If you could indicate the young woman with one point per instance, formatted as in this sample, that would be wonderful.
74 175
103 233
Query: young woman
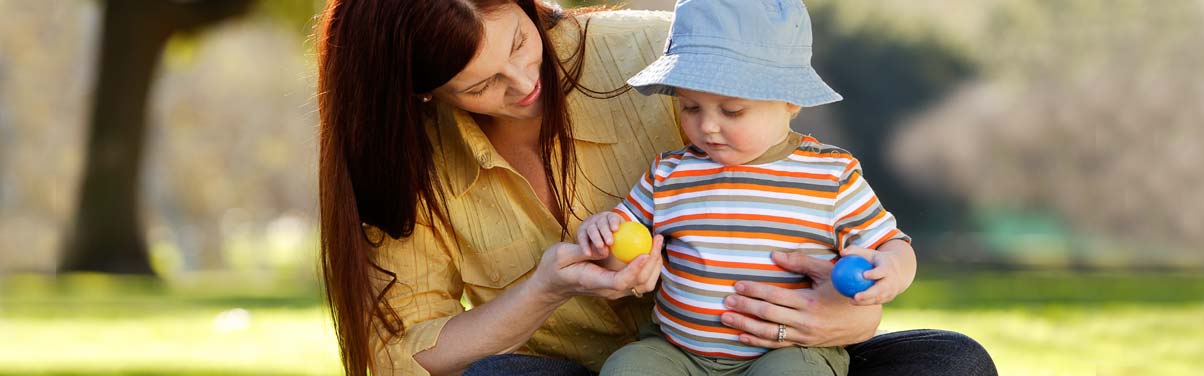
461 142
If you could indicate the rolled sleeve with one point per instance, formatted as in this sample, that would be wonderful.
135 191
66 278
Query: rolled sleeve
425 296
860 219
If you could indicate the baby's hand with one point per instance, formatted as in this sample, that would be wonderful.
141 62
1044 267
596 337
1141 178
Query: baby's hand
888 275
596 234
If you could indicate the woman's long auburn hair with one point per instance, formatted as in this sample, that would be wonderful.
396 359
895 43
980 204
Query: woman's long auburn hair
376 162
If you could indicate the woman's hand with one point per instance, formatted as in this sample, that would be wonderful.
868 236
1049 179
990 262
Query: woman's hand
566 271
814 317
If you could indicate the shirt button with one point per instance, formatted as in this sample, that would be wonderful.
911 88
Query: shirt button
483 158
493 276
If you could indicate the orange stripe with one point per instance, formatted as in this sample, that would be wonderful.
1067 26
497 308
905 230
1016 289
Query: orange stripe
692 308
745 235
701 328
755 170
729 282
873 200
745 186
829 154
752 217
637 205
622 213
710 353
725 264
884 239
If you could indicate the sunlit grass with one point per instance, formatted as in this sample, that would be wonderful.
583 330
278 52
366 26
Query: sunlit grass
1032 323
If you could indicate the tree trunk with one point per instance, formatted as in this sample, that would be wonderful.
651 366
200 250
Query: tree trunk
108 236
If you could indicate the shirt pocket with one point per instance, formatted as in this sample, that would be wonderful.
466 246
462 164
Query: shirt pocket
498 268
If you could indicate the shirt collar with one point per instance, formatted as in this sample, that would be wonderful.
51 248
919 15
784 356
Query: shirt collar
466 150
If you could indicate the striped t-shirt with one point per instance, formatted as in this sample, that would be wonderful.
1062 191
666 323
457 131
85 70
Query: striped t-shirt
722 222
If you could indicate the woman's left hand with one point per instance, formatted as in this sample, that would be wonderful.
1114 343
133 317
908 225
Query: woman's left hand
813 317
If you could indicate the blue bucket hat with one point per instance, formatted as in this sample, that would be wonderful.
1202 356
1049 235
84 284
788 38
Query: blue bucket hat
752 49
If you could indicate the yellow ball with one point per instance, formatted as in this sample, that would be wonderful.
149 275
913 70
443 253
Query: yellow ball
631 240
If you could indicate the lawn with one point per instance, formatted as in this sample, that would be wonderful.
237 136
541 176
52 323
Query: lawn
1032 323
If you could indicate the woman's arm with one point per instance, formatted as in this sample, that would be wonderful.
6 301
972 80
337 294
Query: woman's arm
505 323
814 317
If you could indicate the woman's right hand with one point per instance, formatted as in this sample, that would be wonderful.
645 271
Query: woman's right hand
566 271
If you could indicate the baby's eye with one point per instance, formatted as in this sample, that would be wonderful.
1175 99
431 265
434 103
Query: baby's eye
689 109
733 113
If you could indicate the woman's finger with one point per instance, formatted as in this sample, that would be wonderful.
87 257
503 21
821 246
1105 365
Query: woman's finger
817 269
773 294
653 270
629 276
752 327
760 309
583 242
751 340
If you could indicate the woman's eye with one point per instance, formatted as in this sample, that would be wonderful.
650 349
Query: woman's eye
480 91
521 42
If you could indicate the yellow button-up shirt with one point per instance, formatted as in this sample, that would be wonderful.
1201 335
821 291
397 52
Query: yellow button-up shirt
499 226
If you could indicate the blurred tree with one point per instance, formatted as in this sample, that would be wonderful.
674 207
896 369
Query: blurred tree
108 235
886 76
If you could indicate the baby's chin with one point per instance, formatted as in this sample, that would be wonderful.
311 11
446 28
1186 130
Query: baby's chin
728 159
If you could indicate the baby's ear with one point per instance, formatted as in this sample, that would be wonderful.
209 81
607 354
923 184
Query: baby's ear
794 109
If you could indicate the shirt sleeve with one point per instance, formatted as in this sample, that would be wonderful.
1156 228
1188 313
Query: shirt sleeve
425 296
638 205
859 218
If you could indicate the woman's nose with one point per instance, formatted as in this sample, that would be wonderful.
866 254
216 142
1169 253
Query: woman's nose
520 83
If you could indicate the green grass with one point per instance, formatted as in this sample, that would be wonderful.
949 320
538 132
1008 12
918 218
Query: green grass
1033 323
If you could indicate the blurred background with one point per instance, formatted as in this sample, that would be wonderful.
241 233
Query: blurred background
1045 155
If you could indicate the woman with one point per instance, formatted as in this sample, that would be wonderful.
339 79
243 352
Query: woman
461 141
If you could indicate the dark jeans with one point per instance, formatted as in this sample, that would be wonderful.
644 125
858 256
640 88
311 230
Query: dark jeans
912 352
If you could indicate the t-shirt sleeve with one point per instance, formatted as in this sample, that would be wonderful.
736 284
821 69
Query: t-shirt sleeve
858 217
638 205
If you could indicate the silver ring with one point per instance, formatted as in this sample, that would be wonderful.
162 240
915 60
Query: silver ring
637 293
781 332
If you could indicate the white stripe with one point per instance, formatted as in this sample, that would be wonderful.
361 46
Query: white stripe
745 192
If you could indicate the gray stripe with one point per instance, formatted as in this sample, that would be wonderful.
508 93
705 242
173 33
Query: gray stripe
756 199
784 182
672 311
746 225
734 271
742 276
687 226
755 178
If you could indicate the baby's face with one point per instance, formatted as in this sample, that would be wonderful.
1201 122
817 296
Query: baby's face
731 130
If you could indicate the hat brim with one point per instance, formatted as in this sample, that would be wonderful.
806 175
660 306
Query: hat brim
727 76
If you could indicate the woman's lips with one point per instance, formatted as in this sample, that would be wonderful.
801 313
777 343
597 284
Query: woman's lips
530 98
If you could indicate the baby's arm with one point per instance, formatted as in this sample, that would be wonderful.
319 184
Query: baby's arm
596 235
894 270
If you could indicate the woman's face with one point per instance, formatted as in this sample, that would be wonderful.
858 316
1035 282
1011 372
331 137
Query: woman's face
502 79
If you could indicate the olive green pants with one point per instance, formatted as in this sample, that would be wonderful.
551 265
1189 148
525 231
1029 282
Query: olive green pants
657 357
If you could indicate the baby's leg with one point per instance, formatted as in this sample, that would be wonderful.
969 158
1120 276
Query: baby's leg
652 356
818 361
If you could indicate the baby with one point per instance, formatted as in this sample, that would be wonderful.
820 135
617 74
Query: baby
745 187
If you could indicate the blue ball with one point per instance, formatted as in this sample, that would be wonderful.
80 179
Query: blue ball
846 275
